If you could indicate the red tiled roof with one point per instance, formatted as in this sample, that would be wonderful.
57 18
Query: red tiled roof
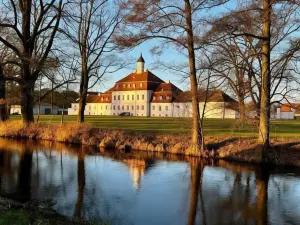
212 96
146 76
289 106
102 98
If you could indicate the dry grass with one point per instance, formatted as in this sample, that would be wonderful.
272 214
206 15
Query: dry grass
284 151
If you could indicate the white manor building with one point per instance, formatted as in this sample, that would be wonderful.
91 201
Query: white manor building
142 93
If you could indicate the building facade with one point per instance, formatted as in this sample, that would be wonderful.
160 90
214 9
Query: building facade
288 111
45 109
142 93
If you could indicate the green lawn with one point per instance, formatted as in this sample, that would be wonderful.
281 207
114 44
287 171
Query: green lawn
280 128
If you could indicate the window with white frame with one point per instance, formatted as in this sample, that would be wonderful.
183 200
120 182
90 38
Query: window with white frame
118 97
159 108
132 97
167 108
122 107
138 97
143 97
153 107
118 107
141 84
114 107
132 107
127 97
128 107
143 107
161 97
138 107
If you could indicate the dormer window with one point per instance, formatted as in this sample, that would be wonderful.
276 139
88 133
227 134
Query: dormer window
168 97
129 85
141 85
134 85
161 97
124 85
117 86
101 98
154 98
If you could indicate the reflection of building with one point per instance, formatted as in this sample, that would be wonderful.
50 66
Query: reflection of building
137 169
142 93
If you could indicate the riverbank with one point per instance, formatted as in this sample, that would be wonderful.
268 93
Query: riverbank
17 213
284 151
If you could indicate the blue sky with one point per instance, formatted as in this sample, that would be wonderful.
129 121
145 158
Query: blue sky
169 56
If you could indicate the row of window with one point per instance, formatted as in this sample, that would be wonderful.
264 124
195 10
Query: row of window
128 97
128 107
159 107
161 97
129 85
107 98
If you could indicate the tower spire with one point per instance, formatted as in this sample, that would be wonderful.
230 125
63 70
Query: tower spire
140 65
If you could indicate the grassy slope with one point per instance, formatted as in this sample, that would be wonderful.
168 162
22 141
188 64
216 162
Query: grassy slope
212 127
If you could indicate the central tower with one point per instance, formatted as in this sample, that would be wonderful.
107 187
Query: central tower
140 65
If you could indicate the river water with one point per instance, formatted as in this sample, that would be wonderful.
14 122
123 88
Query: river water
144 188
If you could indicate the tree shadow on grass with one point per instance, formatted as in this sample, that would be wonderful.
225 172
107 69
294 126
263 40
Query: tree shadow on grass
217 145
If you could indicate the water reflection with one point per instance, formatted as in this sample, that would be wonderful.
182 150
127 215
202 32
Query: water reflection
147 188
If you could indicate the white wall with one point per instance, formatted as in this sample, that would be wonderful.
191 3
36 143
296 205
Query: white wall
132 102
212 110
91 109
285 115
15 109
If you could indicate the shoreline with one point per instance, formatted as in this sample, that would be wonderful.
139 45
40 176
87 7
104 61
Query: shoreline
284 152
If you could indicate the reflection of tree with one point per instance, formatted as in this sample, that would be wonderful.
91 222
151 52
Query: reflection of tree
24 178
81 184
197 168
262 180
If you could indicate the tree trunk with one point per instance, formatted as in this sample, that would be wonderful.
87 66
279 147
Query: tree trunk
264 123
3 112
242 110
52 97
39 104
27 99
63 108
197 143
83 89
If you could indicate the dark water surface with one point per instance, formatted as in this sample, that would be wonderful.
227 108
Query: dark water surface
144 188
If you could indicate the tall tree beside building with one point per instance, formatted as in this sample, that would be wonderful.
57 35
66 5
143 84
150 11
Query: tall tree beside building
90 27
177 23
23 25
269 27
3 113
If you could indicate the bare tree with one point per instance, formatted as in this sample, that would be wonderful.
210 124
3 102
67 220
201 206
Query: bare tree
267 26
28 29
90 25
177 23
